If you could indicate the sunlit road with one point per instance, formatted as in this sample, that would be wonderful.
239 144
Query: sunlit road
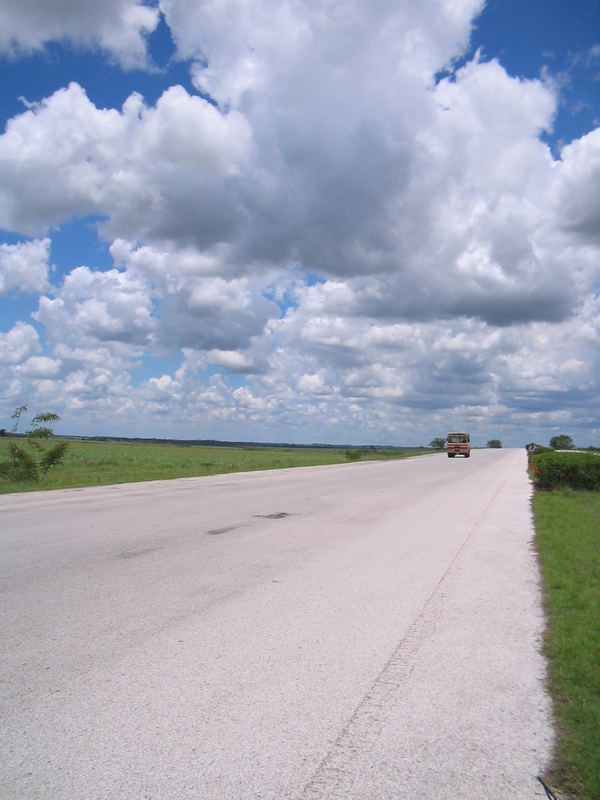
364 631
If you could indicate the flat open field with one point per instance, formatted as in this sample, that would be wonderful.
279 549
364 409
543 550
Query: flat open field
95 463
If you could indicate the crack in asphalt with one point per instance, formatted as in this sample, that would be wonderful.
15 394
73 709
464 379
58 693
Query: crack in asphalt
336 774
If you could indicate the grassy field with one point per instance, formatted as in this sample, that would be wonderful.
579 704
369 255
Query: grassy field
92 463
568 535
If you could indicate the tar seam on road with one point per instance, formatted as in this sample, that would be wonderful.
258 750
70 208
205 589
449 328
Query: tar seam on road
336 773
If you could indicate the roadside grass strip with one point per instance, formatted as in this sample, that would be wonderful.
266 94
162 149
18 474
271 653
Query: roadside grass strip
95 463
568 536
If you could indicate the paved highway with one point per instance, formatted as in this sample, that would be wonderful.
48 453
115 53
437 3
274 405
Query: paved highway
363 631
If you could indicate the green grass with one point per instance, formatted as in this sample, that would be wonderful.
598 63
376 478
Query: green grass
93 463
568 535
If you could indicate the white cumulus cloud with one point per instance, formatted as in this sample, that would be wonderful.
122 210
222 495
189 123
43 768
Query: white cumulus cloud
116 26
369 244
24 266
19 343
148 169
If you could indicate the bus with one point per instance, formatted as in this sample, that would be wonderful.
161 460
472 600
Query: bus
459 444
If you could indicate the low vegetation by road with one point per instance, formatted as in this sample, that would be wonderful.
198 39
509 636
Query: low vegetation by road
93 463
575 470
568 536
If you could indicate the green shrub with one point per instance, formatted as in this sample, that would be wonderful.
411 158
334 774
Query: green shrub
353 455
552 470
28 457
19 466
53 457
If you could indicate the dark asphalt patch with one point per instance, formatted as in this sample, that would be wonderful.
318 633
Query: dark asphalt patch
229 528
137 553
219 531
277 515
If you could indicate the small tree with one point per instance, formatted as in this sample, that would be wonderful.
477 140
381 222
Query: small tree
16 415
18 457
562 442
494 443
42 423
22 464
53 457
437 444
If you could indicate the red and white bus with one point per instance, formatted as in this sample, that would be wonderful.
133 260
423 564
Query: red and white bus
459 444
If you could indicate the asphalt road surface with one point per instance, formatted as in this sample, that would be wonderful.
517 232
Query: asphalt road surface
363 631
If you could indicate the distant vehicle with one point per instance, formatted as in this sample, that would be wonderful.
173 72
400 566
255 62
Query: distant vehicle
459 444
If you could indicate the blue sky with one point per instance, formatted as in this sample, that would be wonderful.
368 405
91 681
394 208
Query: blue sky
288 225
548 35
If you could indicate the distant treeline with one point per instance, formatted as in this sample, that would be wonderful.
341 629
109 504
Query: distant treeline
217 443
